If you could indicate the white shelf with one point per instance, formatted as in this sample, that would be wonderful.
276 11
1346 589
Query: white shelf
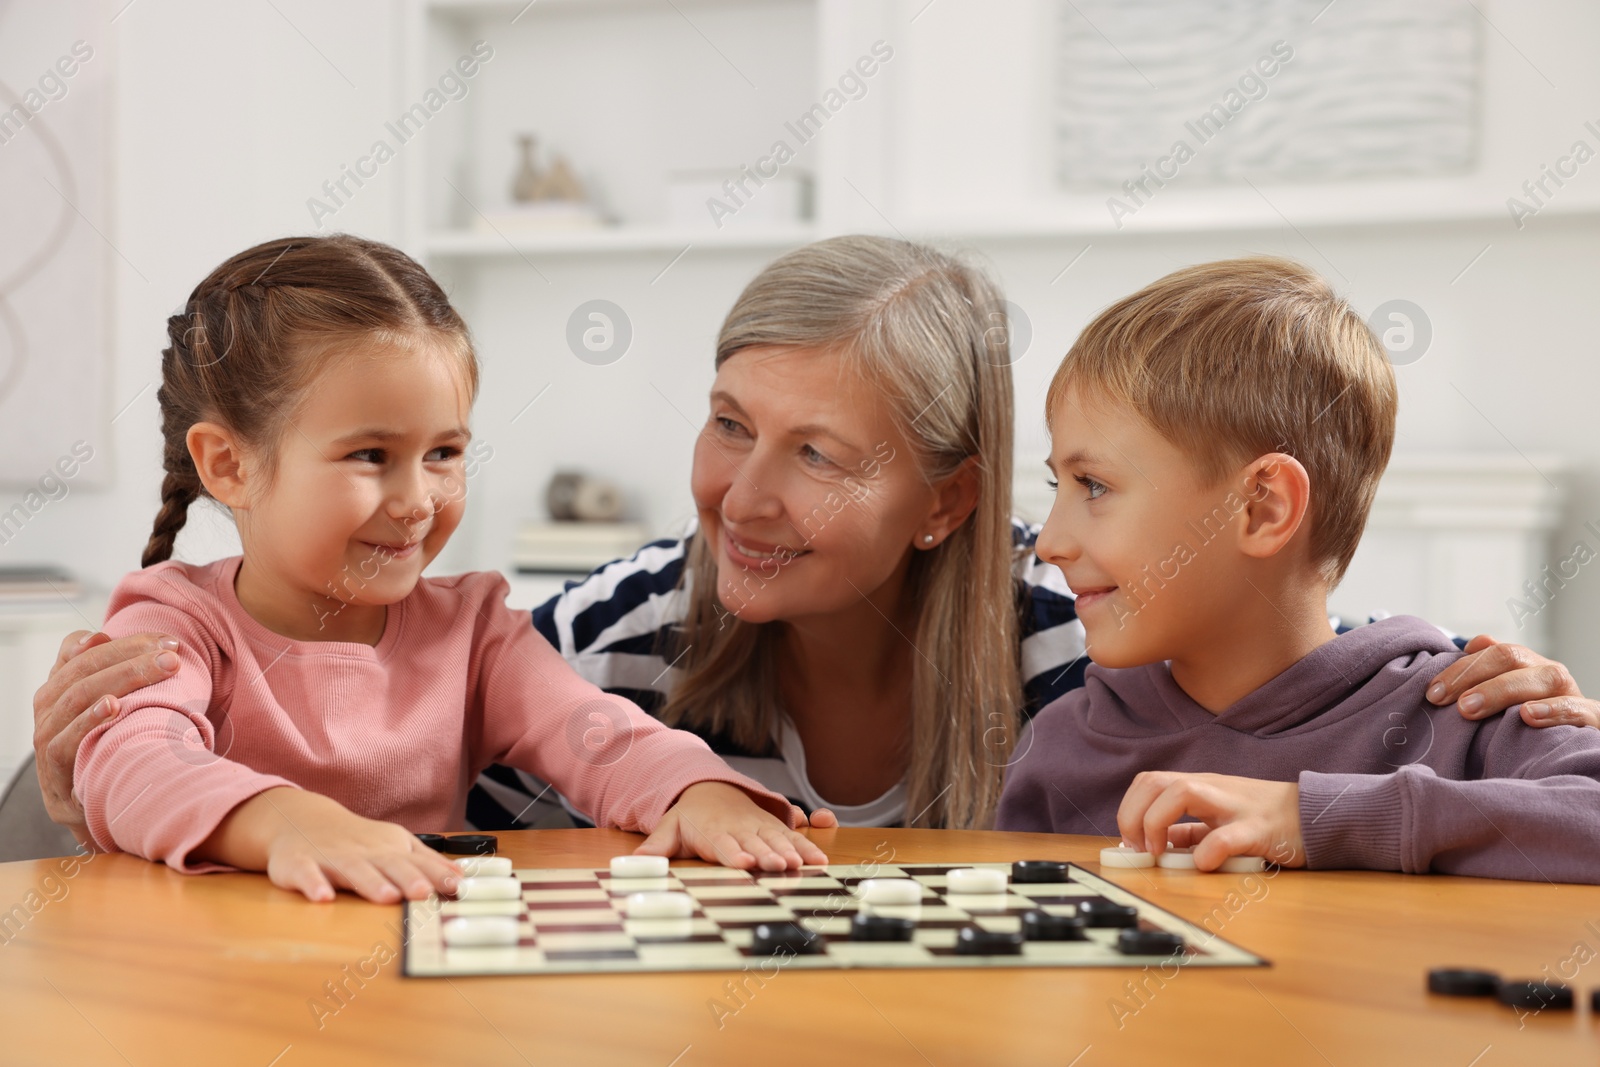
524 9
603 84
472 244
1230 209
1050 222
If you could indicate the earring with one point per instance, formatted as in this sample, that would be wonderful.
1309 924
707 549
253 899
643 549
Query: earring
927 539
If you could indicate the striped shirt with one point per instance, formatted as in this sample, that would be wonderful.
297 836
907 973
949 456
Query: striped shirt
614 626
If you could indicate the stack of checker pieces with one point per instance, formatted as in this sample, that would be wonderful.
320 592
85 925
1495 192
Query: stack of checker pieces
573 921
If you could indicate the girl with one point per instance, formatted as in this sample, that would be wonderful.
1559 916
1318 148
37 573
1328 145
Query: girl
331 700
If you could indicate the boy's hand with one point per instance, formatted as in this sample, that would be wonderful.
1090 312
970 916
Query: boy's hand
1492 677
1240 817
719 822
313 845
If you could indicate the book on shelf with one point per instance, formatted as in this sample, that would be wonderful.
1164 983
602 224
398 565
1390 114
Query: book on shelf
573 547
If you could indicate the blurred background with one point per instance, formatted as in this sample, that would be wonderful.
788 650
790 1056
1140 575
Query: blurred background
595 180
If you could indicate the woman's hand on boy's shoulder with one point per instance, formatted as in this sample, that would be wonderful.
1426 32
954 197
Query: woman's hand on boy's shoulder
1493 676
718 822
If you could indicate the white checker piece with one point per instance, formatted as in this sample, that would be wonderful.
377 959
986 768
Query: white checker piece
636 867
670 905
488 888
482 930
485 866
891 891
975 880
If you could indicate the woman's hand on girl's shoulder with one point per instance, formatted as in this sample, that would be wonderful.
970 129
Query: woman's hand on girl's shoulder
1492 677
719 823
91 671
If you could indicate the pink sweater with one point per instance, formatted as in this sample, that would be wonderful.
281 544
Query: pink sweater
396 732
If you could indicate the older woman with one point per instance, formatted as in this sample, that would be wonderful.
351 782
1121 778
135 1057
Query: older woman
855 620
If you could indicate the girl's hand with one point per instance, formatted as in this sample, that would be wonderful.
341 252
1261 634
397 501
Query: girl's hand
1492 677
719 823
313 845
91 671
1239 817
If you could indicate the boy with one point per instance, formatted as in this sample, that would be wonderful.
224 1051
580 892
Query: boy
1218 438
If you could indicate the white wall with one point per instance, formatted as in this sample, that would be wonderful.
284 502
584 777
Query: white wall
227 119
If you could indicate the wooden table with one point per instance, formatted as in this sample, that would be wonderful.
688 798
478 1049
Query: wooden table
125 962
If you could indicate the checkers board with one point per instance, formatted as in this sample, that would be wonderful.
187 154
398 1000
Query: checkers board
573 921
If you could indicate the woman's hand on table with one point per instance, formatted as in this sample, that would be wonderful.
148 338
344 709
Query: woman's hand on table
719 823
1493 676
822 819
91 671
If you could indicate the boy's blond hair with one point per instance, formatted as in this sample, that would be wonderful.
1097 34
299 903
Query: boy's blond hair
1235 359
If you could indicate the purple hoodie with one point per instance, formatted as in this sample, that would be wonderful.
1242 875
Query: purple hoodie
1387 781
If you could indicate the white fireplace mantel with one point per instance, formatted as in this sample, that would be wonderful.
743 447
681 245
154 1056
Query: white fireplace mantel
1454 537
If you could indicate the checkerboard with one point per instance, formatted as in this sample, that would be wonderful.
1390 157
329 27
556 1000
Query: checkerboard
572 921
